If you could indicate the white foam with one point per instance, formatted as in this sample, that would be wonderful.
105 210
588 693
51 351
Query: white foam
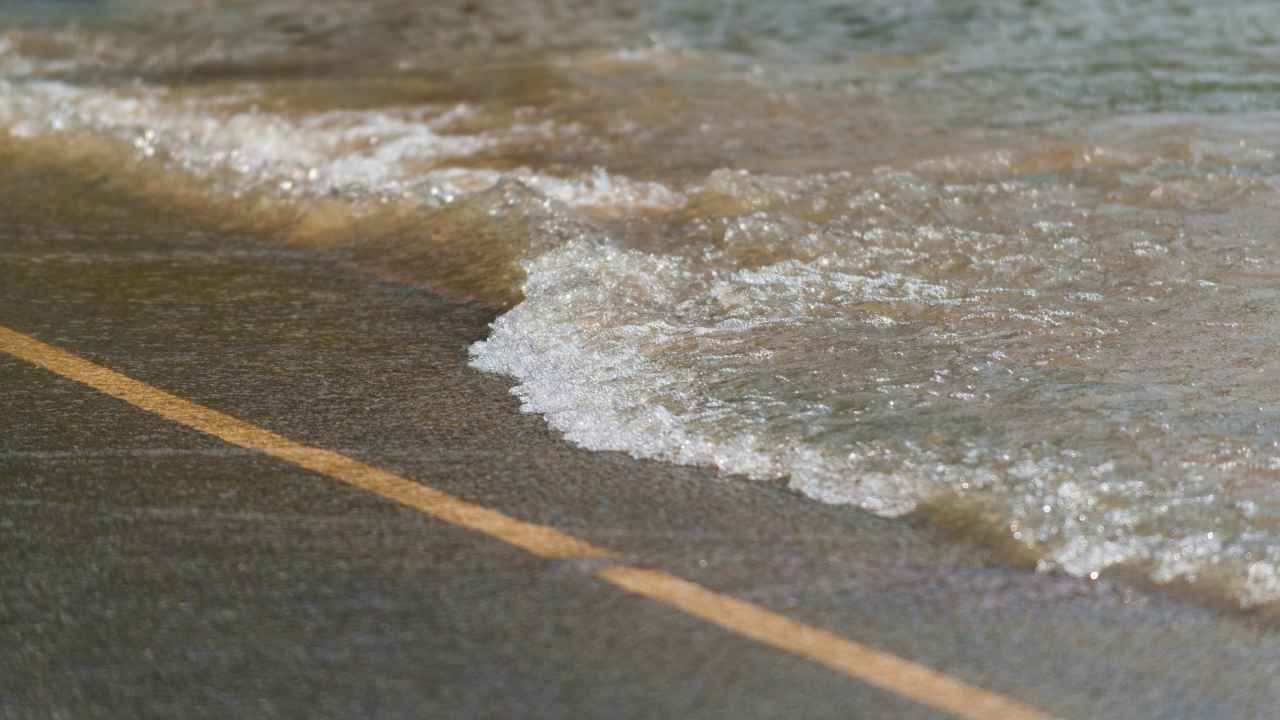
586 346
598 189
778 371
382 152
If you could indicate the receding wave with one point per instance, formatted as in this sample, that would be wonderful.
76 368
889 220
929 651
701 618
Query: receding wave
1061 330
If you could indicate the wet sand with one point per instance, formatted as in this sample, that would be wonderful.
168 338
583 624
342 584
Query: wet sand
146 569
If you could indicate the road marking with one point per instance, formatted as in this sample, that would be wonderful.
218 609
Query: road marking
855 660
874 667
537 539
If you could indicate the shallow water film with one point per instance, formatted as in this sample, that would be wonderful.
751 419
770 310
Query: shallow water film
1013 262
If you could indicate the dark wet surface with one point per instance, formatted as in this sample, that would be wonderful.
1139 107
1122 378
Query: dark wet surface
149 571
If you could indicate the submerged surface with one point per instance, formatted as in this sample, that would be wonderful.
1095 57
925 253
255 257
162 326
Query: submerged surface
1010 259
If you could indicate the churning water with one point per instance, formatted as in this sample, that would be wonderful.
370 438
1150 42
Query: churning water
1012 261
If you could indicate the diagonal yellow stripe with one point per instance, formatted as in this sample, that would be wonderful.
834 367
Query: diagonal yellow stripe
874 667
889 672
537 539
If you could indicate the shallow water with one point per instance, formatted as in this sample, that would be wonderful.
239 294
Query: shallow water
1012 260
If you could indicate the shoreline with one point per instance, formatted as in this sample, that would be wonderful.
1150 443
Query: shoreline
188 200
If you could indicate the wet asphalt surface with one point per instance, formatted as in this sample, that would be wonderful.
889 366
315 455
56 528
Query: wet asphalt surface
147 570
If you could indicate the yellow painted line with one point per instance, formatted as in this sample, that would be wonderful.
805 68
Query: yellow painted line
537 539
860 662
874 667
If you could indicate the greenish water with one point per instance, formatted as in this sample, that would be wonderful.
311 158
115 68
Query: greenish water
1017 61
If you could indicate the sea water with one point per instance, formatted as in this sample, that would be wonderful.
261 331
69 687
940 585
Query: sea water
1009 262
